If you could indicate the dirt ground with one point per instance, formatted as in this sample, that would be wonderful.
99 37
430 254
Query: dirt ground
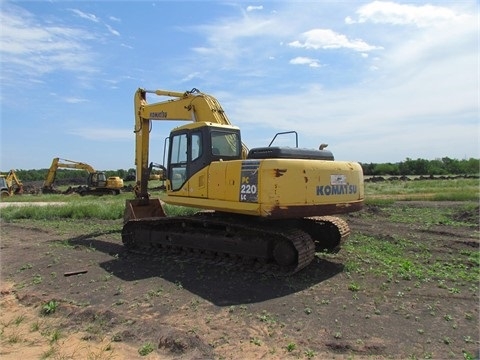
119 305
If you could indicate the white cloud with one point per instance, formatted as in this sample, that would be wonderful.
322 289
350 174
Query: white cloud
422 96
203 50
305 61
329 39
253 8
387 12
191 76
29 48
86 16
349 20
112 30
74 100
382 122
450 47
412 96
248 35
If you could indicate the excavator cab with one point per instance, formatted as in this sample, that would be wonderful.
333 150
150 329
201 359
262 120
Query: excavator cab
196 145
97 179
191 148
3 187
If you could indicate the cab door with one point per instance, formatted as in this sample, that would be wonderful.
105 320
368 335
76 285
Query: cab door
186 156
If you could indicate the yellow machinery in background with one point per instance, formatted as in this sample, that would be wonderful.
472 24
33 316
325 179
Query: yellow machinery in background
271 207
158 174
97 181
10 184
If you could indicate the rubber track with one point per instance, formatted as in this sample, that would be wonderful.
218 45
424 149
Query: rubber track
338 238
302 242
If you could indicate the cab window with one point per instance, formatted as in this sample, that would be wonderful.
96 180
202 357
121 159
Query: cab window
225 144
196 149
178 161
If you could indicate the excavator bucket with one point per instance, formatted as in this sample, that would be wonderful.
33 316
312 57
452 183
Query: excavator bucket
142 208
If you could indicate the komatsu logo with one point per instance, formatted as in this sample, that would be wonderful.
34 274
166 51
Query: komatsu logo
327 190
158 115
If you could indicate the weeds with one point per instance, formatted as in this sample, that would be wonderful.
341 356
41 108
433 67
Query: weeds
291 346
267 318
19 319
14 338
146 349
35 326
55 336
26 266
468 356
256 341
354 287
405 259
49 308
155 293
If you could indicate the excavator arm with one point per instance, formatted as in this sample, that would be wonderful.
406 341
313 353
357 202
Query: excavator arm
52 172
13 180
65 164
191 105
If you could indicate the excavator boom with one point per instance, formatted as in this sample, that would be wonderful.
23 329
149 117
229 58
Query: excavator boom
192 106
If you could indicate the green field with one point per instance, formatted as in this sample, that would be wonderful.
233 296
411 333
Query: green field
111 207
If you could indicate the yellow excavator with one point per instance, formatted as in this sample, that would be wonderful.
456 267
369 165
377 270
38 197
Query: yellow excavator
97 181
10 184
156 174
268 209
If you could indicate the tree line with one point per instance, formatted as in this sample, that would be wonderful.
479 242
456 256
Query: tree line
75 176
443 166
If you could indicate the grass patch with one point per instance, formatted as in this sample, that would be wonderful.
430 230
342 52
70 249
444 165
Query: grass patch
49 308
465 215
173 210
79 207
430 216
112 207
146 349
80 210
435 190
403 259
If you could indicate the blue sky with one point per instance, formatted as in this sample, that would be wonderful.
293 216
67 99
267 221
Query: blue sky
379 81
